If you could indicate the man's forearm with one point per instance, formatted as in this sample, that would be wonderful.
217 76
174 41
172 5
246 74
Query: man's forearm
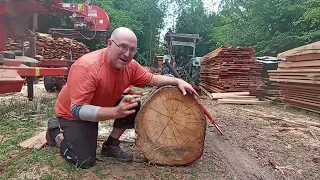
92 113
160 80
106 113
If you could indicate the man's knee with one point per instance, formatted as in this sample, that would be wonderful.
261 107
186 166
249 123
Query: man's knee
128 121
78 159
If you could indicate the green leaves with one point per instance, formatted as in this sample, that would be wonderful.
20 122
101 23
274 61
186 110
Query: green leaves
271 26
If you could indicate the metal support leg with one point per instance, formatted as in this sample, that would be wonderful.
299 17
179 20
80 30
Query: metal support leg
30 87
3 46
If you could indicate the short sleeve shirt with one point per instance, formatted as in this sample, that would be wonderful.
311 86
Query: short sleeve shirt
91 80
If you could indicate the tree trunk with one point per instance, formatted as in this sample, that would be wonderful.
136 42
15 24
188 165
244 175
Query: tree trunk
170 127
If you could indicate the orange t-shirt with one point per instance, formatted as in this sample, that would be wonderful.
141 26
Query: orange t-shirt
91 80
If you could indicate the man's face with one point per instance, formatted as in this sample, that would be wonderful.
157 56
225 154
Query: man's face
122 50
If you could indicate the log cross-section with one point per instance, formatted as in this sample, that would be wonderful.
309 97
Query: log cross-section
170 127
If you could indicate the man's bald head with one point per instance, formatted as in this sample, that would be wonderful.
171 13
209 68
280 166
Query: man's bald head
122 47
123 32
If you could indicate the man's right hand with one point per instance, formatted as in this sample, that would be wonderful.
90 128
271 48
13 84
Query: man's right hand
126 106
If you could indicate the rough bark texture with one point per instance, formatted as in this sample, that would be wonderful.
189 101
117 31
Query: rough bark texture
170 127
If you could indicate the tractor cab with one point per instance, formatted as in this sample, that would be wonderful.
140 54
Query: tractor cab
182 47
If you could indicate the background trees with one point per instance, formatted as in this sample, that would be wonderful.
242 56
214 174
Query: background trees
271 26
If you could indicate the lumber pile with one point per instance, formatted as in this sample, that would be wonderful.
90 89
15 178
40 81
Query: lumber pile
66 48
231 69
15 45
271 91
236 98
170 127
299 77
160 62
50 48
150 69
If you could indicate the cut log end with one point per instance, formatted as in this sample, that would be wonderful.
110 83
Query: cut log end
170 127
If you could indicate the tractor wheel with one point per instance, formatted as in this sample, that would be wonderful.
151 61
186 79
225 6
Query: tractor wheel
50 83
196 75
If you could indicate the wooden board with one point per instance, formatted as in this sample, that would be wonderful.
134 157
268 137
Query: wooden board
230 94
310 63
37 141
312 48
170 127
238 101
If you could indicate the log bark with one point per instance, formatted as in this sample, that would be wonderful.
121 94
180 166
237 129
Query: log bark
170 127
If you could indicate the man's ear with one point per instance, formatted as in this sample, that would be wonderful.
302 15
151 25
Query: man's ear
109 42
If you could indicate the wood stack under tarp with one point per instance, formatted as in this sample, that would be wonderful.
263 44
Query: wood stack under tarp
52 49
231 69
299 77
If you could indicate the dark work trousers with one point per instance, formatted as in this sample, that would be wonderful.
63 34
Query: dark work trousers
80 138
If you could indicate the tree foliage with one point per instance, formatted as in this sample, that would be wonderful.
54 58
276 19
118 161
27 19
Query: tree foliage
271 26
144 17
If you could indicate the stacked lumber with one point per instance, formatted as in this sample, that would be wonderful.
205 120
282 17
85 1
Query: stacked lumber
231 69
13 45
271 91
299 77
160 62
50 48
150 69
236 98
60 48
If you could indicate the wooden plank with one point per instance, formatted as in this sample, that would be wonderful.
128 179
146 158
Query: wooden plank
294 74
295 81
237 101
297 77
299 64
303 57
206 92
229 94
37 141
241 97
295 70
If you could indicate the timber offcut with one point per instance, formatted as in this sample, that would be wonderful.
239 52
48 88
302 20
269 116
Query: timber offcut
170 127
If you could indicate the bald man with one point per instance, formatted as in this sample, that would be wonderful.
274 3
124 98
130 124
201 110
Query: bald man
94 93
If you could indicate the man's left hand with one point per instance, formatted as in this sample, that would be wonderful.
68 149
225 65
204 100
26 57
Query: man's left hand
184 87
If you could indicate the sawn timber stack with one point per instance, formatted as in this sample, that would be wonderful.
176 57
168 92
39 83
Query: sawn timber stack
231 69
170 127
299 77
52 48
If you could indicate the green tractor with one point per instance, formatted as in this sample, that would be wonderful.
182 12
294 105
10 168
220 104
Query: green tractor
185 65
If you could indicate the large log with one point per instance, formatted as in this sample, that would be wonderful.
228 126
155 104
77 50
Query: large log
170 127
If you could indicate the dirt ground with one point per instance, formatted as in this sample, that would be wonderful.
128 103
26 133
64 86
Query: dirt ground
260 142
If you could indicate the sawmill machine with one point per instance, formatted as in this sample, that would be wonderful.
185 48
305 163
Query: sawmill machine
187 66
18 20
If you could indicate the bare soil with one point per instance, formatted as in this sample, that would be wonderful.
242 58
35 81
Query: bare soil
255 146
